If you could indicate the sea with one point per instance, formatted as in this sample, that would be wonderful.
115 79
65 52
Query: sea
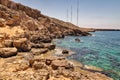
102 50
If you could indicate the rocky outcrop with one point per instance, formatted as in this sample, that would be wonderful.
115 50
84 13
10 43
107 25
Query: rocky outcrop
40 68
106 29
17 6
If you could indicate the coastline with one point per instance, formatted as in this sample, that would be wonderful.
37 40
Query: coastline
107 29
111 72
80 67
29 55
58 53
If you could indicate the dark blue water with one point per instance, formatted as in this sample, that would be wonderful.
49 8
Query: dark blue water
101 50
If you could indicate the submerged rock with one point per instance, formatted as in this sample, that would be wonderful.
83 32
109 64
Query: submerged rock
65 52
77 40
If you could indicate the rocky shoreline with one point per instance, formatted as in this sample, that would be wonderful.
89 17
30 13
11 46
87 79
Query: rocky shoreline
26 46
107 29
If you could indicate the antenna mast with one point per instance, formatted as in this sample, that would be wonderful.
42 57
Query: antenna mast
77 12
67 15
71 13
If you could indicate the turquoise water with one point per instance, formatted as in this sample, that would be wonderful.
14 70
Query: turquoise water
101 50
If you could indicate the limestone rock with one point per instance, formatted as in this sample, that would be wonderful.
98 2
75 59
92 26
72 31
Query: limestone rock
2 39
8 52
31 25
14 20
86 34
33 45
2 22
39 65
50 46
61 63
23 66
39 51
8 43
10 22
22 45
37 38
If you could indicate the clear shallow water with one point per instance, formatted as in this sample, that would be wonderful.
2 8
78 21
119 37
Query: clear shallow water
101 50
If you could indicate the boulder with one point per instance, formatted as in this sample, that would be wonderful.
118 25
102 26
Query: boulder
14 20
3 15
65 52
23 66
2 22
10 22
38 38
22 45
2 38
46 40
33 45
50 46
86 34
31 25
39 65
61 63
8 43
39 51
8 52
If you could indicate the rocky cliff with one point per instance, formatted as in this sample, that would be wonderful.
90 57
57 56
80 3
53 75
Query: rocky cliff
26 49
32 19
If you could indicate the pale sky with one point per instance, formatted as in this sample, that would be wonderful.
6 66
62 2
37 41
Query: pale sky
92 13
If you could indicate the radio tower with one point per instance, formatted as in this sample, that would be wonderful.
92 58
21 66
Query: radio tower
67 15
77 12
71 13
